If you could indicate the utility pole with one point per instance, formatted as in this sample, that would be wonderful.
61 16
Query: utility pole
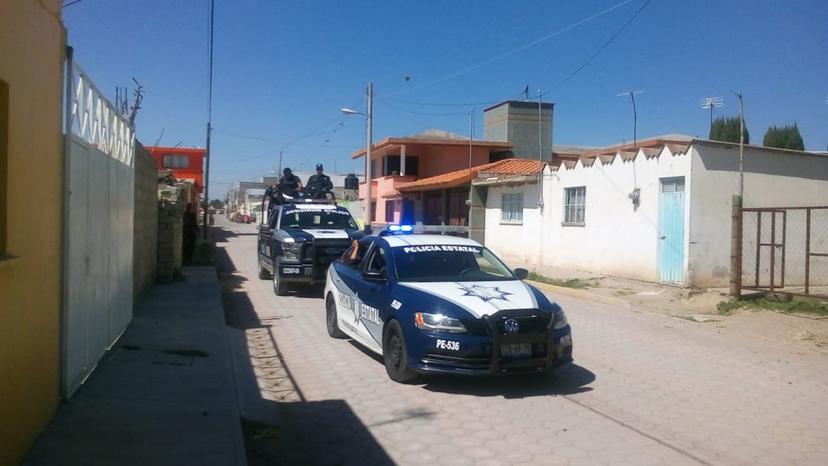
471 136
736 212
368 152
279 173
209 126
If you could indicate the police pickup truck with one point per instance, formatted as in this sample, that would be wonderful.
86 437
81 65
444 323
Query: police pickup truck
301 239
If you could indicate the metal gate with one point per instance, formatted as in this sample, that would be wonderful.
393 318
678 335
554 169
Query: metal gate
671 230
785 249
98 227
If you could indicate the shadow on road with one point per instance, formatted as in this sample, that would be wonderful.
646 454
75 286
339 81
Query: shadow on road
567 380
280 425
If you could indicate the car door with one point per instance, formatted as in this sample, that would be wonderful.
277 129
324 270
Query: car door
373 293
347 280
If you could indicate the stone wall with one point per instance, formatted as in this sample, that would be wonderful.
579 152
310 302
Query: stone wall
145 221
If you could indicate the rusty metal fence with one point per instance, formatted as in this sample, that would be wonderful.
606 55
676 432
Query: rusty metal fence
785 249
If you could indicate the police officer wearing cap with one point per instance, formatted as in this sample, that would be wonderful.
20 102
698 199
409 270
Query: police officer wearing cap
319 185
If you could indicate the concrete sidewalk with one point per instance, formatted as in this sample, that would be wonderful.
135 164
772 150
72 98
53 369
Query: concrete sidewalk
164 395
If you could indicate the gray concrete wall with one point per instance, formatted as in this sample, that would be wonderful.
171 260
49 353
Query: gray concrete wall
773 178
145 222
517 123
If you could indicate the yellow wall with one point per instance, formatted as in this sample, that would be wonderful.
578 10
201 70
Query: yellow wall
32 48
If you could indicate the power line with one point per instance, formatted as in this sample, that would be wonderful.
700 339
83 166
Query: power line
398 108
511 52
600 49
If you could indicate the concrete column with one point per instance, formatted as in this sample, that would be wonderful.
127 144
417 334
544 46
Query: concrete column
402 160
445 208
477 213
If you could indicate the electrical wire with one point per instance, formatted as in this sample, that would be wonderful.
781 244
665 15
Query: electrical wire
600 49
398 108
511 52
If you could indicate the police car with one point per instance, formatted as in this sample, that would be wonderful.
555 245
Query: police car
442 304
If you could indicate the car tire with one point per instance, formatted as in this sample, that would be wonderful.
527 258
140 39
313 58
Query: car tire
279 286
263 273
330 318
394 354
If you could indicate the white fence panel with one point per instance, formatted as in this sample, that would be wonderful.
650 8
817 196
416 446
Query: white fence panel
98 229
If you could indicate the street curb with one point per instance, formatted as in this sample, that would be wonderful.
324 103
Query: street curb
582 294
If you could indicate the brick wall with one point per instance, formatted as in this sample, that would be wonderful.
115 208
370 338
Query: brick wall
145 221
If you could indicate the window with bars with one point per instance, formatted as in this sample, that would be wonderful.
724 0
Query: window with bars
511 210
574 206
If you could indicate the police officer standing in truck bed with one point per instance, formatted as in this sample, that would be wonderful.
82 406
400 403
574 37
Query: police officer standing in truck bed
319 185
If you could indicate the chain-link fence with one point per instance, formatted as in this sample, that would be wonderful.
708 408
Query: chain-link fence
785 249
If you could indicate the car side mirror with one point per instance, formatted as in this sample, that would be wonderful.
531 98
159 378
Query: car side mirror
521 274
374 276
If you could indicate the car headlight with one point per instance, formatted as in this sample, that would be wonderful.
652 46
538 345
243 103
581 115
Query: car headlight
291 251
438 323
559 321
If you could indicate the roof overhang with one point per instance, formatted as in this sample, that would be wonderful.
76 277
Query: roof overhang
390 142
505 180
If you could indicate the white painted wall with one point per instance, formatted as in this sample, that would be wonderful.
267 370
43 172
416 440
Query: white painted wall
622 241
518 245
616 239
773 178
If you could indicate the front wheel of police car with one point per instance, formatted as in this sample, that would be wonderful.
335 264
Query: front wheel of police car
330 318
394 354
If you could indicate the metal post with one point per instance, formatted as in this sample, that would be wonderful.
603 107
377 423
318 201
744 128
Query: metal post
206 201
736 248
807 250
368 151
773 249
635 121
540 132
471 136
741 145
279 173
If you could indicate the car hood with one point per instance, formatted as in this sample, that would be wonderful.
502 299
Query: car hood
481 298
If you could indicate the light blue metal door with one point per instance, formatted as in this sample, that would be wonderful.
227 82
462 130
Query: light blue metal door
671 230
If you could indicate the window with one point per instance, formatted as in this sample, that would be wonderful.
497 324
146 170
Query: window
175 161
511 210
389 211
672 185
391 165
377 263
356 253
4 155
574 206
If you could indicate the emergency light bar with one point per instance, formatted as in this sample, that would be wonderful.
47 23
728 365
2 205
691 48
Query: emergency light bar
397 230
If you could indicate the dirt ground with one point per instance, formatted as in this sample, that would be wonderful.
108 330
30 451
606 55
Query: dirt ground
697 305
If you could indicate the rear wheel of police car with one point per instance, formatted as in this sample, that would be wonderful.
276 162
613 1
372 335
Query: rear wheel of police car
330 318
394 354
279 287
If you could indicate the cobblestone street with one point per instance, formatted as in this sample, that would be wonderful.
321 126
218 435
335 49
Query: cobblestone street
645 389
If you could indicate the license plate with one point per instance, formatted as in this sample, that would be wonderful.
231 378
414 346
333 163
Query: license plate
516 350
291 270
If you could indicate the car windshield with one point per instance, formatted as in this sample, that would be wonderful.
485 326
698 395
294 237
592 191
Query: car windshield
448 263
321 218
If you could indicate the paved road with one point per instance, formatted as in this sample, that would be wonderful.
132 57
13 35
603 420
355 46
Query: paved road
646 389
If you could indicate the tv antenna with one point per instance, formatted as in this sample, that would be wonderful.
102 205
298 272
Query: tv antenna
632 95
712 103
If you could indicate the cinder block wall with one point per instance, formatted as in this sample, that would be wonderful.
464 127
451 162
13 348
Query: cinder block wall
145 241
170 229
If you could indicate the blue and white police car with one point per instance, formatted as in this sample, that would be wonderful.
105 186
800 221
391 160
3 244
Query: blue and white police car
442 304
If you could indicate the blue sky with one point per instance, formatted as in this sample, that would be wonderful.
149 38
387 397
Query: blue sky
282 70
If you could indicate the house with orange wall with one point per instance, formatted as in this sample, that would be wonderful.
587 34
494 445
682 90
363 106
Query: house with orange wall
399 161
186 163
